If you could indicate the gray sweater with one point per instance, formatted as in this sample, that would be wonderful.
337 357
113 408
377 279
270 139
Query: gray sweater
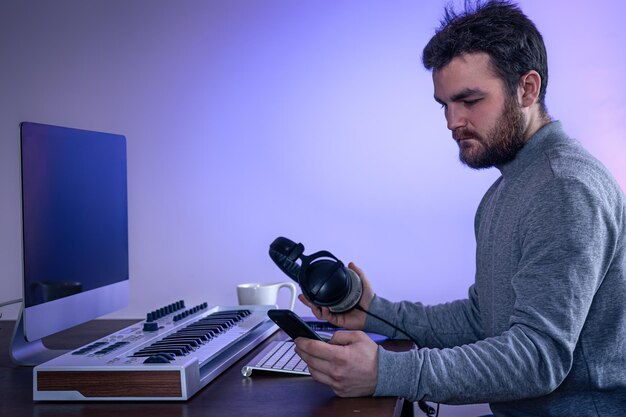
543 330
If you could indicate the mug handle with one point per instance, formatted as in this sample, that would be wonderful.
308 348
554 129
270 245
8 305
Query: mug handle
292 289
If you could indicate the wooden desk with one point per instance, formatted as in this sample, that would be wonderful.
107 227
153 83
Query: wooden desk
230 394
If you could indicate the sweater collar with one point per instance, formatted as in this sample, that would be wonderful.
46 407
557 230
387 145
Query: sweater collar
533 148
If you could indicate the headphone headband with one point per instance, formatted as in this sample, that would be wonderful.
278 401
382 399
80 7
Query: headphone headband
285 253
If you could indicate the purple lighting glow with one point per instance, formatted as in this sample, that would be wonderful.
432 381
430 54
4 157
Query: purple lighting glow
313 120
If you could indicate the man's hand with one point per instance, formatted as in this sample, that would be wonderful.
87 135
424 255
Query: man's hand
353 319
348 363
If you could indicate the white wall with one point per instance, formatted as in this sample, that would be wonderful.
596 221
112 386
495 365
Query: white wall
247 120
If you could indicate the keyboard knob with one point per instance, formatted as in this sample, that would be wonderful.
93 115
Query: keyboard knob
151 326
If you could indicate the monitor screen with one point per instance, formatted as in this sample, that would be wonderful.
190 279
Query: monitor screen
75 226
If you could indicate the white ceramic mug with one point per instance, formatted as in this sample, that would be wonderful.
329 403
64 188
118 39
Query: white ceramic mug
264 294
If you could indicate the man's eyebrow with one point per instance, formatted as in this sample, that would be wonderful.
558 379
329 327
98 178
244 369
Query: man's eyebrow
461 95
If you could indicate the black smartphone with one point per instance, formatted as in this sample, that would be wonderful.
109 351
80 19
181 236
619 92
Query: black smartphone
293 325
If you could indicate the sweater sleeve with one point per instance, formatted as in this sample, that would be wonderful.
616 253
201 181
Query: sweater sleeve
566 240
445 325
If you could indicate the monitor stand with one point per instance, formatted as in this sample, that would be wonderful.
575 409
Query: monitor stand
27 353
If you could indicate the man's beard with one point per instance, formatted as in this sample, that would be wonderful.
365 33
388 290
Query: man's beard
501 144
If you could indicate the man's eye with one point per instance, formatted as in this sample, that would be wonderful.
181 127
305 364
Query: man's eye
470 103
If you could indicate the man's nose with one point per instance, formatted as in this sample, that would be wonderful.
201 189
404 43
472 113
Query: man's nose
455 118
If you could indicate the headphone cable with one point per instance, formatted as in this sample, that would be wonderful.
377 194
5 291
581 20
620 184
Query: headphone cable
8 303
423 405
358 307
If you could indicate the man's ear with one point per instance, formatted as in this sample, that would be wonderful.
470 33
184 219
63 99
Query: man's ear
529 87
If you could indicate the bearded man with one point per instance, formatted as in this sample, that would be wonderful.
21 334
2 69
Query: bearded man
543 330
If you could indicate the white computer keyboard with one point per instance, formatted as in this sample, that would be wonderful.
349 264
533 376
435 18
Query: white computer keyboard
278 356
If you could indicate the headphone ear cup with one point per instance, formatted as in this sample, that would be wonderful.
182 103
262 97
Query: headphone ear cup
323 278
354 295
320 285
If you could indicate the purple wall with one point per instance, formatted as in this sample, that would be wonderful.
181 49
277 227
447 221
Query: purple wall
247 120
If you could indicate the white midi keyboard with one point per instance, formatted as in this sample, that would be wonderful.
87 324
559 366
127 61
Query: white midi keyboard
170 356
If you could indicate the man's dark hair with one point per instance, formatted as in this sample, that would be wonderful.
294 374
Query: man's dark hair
501 30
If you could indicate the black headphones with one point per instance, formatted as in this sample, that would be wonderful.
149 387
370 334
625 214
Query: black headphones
326 282
323 278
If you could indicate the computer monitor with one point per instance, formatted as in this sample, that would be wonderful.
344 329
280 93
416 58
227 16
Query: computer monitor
75 233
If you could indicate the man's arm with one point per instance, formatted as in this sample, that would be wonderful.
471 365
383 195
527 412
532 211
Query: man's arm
445 325
567 241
